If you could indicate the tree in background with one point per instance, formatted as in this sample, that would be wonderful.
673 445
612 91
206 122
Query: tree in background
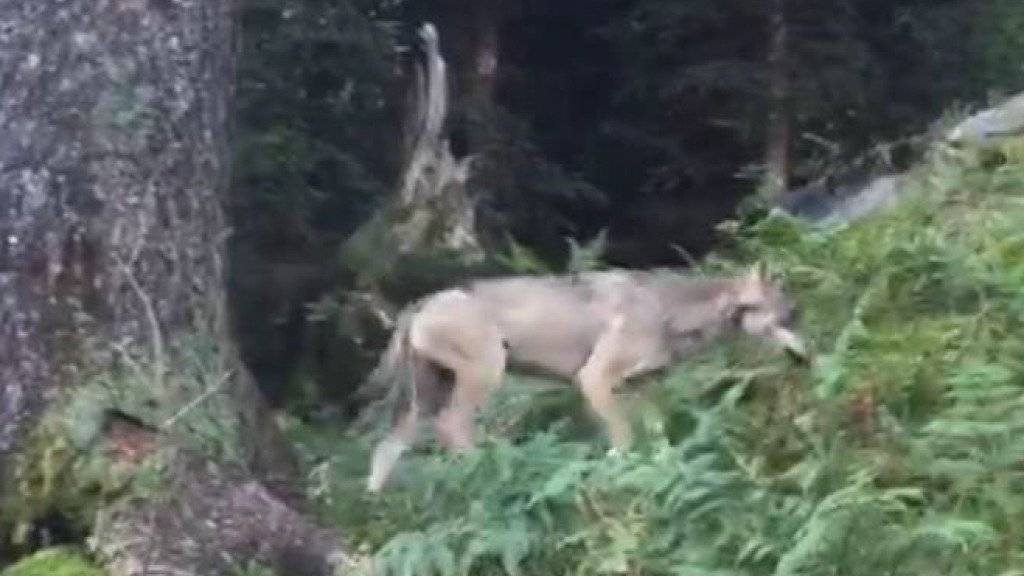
779 119
712 97
717 82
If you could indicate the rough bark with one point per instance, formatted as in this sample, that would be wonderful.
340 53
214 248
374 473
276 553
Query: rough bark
202 503
115 117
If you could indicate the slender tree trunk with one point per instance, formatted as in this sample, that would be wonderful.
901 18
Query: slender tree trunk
481 75
486 53
113 339
471 30
779 119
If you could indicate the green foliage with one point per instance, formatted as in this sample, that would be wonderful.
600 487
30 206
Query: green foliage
57 561
523 190
899 451
67 468
520 259
318 115
997 38
253 568
194 402
587 256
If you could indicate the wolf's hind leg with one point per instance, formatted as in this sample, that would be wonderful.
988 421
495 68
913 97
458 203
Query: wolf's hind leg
455 332
390 449
475 377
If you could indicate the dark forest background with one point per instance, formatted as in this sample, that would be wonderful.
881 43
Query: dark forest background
204 200
649 119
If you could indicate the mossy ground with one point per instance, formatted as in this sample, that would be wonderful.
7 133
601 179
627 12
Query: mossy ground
79 457
899 451
56 561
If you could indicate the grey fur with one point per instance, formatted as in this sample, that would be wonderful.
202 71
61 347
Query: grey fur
596 329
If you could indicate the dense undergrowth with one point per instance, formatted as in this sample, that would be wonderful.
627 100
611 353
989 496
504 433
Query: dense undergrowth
900 451
56 561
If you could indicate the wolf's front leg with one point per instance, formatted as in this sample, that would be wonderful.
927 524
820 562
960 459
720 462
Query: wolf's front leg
627 348
598 388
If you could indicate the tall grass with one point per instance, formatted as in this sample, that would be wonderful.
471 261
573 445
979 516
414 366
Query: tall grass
900 451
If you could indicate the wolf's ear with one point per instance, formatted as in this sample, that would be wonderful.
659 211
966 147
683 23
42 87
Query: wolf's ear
751 288
758 272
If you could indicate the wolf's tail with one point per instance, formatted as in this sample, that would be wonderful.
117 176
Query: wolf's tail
400 377
407 382
380 381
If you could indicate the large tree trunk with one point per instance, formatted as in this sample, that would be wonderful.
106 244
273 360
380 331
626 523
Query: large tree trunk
114 156
114 115
777 142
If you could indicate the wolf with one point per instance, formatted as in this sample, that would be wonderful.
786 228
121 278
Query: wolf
451 348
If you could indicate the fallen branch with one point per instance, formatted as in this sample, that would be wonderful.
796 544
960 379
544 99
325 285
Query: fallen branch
156 334
210 391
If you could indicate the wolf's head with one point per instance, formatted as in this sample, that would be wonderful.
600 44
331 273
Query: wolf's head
762 309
